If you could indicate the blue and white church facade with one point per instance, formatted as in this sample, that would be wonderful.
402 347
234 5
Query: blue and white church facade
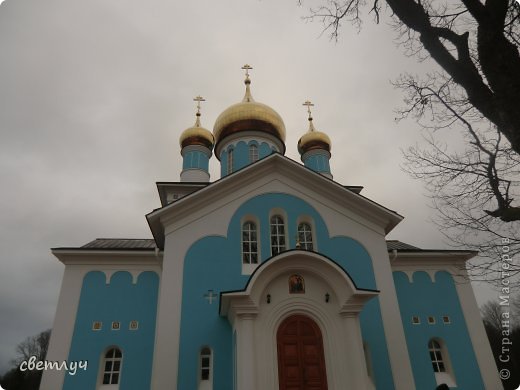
274 276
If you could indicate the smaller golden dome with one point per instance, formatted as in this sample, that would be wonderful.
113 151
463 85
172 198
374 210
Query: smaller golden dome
313 139
197 135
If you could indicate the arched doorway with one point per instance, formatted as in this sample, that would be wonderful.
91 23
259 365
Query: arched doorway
301 362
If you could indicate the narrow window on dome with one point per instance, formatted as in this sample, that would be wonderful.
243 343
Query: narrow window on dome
249 243
253 153
305 236
277 235
230 161
112 367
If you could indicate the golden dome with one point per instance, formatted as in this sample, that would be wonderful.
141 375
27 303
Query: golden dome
248 115
197 135
313 139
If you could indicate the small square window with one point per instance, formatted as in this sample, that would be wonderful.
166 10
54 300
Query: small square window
97 325
446 319
416 320
431 320
134 325
116 325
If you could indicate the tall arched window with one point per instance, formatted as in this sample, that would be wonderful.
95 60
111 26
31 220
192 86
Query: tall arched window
305 236
440 363
112 367
436 356
253 153
230 161
205 369
249 243
277 235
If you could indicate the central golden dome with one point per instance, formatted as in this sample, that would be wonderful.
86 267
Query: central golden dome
248 115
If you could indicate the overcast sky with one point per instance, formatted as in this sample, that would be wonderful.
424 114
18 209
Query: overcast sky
94 95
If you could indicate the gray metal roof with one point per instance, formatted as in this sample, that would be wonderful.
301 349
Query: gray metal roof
398 245
121 243
149 243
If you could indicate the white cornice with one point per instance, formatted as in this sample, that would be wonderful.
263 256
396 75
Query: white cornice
107 257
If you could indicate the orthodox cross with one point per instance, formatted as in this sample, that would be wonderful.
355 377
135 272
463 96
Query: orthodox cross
247 68
210 296
198 99
309 105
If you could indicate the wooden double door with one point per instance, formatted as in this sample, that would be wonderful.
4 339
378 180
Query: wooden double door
301 362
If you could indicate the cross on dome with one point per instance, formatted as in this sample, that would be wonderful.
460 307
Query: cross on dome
247 97
309 104
198 99
247 68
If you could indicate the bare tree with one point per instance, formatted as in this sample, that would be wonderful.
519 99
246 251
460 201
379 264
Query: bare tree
465 186
476 94
476 46
36 346
33 346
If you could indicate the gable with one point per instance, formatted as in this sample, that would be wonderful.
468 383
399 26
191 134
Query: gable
274 174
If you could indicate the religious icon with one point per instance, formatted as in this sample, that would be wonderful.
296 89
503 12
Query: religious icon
116 325
296 284
96 325
134 325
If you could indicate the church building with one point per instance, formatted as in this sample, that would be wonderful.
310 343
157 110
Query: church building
273 277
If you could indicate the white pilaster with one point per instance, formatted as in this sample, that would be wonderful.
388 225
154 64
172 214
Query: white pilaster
357 376
167 334
246 367
477 333
63 328
392 322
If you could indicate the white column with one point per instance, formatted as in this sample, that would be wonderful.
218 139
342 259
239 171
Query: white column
392 322
355 354
246 367
63 328
477 334
168 327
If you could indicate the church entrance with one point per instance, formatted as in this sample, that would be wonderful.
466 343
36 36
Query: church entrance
301 363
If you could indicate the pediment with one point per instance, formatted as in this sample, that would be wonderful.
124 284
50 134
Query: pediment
275 173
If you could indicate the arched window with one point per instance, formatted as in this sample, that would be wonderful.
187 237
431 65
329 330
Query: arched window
112 367
253 153
440 363
205 369
305 236
249 243
436 356
230 161
277 235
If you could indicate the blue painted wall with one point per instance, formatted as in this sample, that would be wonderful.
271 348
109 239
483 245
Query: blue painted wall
118 301
424 298
195 159
241 155
318 162
215 263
